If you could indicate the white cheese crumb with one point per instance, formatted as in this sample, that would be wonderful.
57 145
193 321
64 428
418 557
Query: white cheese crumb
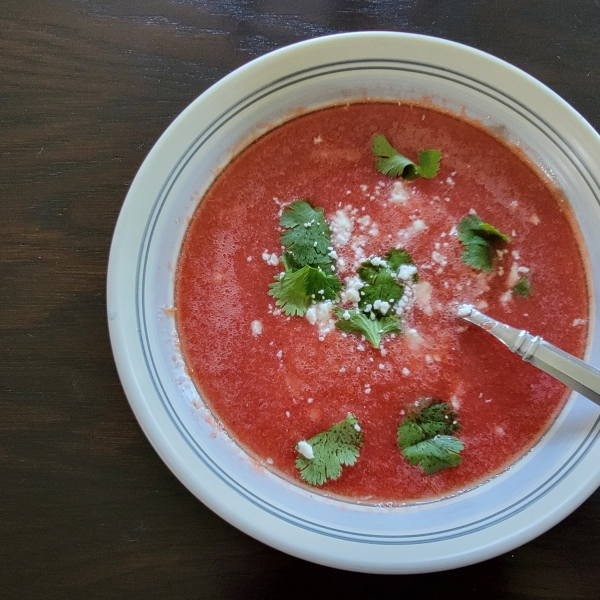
405 372
306 450
513 276
577 322
419 225
279 354
269 461
341 227
534 219
398 193
342 369
405 272
249 259
356 426
360 347
311 315
310 400
287 414
256 327
381 366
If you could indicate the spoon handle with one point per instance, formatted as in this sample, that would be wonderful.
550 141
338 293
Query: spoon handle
565 367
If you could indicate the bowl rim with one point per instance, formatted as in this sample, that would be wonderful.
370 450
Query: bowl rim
163 434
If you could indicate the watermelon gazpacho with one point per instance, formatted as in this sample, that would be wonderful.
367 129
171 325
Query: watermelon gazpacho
317 291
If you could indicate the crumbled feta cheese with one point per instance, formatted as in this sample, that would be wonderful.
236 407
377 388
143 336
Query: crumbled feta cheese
405 272
256 327
513 276
439 258
270 259
398 193
279 354
309 400
341 227
405 372
306 450
356 427
534 219
311 315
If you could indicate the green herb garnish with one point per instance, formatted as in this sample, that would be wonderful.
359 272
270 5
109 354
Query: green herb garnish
297 290
333 449
523 287
425 436
379 297
354 321
307 237
390 162
478 239
308 275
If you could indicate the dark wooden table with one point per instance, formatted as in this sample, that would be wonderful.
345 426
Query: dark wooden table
87 509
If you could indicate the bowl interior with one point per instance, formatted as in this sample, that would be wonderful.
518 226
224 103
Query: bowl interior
535 493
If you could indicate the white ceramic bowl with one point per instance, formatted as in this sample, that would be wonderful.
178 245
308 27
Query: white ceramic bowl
519 504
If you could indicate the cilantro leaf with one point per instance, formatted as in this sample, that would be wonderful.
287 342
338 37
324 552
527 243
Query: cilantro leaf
308 277
396 258
390 162
295 291
382 287
373 329
478 239
435 454
523 287
307 235
333 449
425 436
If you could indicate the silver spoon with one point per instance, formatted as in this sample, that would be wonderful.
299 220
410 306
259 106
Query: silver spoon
571 371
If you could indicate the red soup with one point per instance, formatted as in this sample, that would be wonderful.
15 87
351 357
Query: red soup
273 380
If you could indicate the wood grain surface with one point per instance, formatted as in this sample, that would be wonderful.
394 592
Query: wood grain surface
87 509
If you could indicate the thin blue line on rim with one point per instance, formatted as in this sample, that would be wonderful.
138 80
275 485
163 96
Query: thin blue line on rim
201 140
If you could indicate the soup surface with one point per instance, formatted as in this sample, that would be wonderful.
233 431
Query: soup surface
273 380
